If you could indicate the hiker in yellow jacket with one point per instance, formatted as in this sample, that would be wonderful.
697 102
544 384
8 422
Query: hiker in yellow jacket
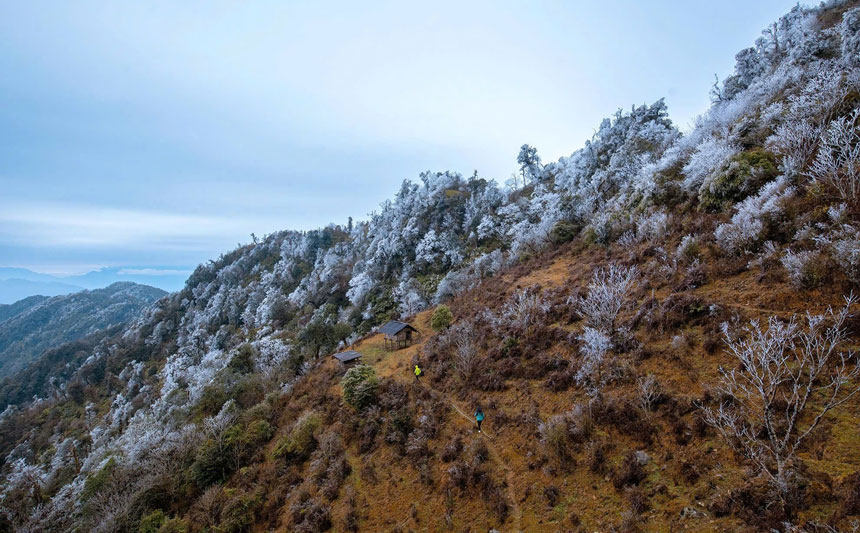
417 373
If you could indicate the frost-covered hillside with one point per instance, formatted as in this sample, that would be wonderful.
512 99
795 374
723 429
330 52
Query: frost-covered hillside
155 418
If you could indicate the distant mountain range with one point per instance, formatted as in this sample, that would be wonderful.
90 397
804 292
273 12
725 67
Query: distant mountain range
30 326
19 283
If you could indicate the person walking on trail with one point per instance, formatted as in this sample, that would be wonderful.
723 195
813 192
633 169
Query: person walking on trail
479 417
417 373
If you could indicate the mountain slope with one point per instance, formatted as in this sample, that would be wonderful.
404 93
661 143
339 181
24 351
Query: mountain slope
596 311
38 323
9 310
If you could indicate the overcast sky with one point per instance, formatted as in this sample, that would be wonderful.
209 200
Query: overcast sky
159 135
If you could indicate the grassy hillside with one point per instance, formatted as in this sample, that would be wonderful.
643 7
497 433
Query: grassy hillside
442 475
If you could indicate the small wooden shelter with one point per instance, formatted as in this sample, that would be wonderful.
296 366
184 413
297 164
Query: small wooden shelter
348 358
397 334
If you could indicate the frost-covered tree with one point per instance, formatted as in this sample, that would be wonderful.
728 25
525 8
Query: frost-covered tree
790 376
465 350
595 348
607 293
529 161
837 165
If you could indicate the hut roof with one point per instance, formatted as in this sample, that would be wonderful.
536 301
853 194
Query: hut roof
345 357
394 327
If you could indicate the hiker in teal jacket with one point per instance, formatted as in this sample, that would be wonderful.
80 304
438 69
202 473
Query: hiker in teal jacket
479 417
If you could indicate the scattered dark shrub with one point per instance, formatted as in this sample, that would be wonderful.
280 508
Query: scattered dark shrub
596 457
310 516
453 449
370 424
624 415
629 472
551 493
300 442
849 501
399 427
637 500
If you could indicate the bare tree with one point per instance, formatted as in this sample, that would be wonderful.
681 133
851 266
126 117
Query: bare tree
790 376
465 356
606 296
649 392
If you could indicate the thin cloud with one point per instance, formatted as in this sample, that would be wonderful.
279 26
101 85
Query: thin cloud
51 225
154 272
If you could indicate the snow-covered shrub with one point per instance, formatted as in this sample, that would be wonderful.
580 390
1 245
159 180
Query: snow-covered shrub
463 338
523 309
743 233
688 249
409 297
602 227
840 239
837 164
803 268
846 252
649 392
653 227
803 116
627 239
457 281
708 158
849 31
594 350
530 222
272 353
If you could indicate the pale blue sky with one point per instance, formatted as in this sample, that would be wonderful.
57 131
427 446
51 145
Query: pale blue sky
160 134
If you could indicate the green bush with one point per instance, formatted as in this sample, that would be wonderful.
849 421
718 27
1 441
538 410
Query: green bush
97 482
564 231
441 318
258 432
152 522
174 525
243 361
211 465
239 513
214 463
300 443
211 400
359 386
744 175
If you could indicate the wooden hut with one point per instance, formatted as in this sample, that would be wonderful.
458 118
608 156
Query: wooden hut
398 334
348 358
